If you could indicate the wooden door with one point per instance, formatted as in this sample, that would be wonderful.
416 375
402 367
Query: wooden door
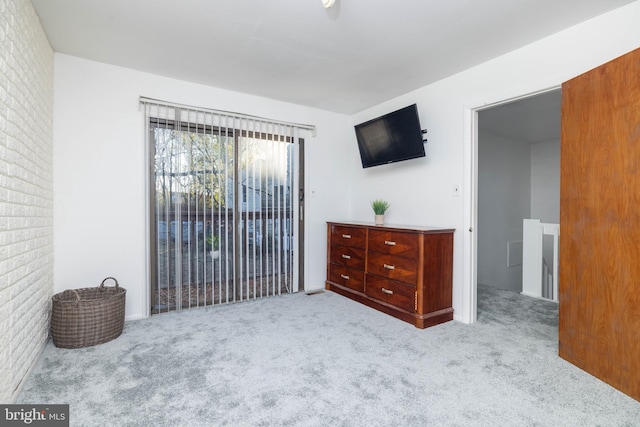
599 321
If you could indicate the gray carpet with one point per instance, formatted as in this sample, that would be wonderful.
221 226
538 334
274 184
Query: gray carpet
324 360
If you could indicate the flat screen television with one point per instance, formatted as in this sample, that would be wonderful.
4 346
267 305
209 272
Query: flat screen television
394 137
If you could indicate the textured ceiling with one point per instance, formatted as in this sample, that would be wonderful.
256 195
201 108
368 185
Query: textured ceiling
344 59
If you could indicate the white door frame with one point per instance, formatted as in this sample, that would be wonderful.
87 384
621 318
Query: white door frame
470 203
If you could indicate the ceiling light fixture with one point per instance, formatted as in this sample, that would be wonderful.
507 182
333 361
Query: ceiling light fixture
328 3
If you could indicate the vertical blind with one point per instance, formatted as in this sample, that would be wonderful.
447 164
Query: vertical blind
223 206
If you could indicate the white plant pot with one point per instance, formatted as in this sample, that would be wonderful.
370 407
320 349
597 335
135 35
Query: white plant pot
379 219
214 254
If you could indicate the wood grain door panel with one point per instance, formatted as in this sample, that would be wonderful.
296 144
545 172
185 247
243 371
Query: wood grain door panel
599 291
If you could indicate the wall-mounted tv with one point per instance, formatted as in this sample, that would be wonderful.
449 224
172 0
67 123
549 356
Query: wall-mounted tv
394 137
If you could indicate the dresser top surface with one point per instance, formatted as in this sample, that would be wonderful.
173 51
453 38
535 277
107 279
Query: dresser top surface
393 227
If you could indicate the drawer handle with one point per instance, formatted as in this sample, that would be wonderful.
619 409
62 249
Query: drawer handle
344 276
346 236
346 256
387 291
389 267
389 242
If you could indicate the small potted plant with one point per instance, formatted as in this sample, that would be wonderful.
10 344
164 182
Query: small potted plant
379 208
213 246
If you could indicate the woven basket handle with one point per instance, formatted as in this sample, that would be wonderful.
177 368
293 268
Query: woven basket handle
112 278
75 292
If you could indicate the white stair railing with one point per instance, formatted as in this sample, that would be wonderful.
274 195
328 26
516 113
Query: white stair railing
537 279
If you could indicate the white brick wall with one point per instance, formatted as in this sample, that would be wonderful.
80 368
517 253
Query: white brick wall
26 192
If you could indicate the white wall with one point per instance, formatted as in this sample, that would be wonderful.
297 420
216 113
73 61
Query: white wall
545 181
504 198
99 175
26 192
545 189
420 191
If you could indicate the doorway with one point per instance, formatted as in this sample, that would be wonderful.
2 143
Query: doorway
516 146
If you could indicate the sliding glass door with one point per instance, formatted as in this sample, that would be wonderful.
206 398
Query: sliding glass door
224 209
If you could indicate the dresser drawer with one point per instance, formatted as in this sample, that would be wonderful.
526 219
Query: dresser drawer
393 267
393 242
349 256
395 293
348 236
346 276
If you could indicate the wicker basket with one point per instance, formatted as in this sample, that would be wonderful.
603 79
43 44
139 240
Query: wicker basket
88 316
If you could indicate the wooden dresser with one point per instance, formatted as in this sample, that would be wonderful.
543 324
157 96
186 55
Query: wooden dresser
404 272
